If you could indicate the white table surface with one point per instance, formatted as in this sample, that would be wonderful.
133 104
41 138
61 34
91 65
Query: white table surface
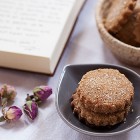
84 46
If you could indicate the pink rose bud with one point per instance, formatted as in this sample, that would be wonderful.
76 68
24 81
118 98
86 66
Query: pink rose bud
13 113
31 109
7 93
41 93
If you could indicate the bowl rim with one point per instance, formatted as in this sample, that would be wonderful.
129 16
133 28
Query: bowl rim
79 129
102 28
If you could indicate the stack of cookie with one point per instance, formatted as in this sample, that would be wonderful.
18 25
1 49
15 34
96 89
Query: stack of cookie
123 21
103 97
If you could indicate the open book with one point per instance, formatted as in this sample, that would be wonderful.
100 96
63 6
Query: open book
33 33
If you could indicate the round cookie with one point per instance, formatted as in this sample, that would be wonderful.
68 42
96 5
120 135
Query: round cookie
130 33
105 91
118 14
96 119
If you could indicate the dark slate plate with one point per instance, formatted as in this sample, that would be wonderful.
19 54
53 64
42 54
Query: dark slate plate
70 77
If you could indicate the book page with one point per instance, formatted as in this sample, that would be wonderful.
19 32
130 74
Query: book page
32 27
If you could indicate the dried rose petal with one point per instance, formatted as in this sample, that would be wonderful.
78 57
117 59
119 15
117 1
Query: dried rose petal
13 113
31 109
42 92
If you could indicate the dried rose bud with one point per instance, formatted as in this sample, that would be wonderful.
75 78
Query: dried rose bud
41 93
7 93
31 109
13 113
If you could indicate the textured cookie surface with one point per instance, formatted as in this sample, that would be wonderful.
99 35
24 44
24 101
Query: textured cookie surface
105 91
130 33
97 119
118 14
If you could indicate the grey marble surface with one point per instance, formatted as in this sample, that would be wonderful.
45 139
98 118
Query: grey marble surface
83 47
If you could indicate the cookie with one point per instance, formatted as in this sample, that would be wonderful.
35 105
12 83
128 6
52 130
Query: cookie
103 97
118 14
130 33
96 119
105 91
